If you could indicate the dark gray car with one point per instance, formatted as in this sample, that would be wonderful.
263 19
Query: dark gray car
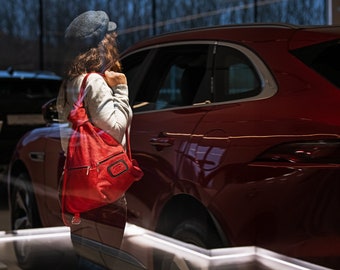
22 95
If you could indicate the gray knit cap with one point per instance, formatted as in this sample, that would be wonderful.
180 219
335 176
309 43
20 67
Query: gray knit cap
88 29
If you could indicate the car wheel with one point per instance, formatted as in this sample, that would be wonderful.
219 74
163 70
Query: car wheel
36 253
192 231
23 206
24 215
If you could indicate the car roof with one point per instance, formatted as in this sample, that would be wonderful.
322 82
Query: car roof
246 33
21 74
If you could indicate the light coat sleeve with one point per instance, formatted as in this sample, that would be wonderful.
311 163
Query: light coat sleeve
108 108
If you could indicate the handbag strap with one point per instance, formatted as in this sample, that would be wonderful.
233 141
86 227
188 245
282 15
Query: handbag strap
127 143
80 103
81 94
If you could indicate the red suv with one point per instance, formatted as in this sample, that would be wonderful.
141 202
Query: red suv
237 131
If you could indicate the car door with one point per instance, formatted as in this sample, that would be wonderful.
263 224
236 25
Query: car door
233 132
165 117
235 81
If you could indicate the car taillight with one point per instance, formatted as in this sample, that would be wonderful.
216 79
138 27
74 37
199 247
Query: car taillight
321 151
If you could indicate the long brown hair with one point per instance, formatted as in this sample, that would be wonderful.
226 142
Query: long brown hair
104 57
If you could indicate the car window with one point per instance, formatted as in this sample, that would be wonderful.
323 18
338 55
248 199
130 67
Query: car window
234 75
174 77
28 89
134 66
324 58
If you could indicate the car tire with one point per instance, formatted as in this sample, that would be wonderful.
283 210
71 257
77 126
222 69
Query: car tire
24 215
36 254
192 231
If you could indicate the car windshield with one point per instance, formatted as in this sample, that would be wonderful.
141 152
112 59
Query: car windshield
323 58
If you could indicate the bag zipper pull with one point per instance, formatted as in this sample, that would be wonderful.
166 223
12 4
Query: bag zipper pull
76 220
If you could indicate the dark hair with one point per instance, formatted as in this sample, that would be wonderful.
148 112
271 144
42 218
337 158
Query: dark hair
99 59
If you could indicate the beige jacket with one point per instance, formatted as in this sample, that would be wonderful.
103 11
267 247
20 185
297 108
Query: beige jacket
108 108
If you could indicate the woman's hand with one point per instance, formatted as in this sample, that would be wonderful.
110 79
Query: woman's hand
114 78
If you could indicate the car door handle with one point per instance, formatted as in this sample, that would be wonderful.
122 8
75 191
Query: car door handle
160 142
37 156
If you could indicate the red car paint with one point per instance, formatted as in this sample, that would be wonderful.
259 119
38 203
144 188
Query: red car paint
258 168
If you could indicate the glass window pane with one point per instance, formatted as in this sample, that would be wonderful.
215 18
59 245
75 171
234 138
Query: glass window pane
234 75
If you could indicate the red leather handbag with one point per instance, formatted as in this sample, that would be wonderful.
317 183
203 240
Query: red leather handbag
98 170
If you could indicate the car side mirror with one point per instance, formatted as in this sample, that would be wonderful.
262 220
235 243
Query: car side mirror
50 112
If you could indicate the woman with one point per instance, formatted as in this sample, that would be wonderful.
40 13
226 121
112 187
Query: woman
92 38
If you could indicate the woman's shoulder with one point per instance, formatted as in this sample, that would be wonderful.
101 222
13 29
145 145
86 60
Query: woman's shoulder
95 76
95 80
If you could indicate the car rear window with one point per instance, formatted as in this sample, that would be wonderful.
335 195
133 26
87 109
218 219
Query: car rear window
324 58
235 76
28 89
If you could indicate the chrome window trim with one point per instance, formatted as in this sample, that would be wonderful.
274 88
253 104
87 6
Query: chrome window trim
268 83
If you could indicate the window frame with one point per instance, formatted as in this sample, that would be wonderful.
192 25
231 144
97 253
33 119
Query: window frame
268 84
150 85
226 59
